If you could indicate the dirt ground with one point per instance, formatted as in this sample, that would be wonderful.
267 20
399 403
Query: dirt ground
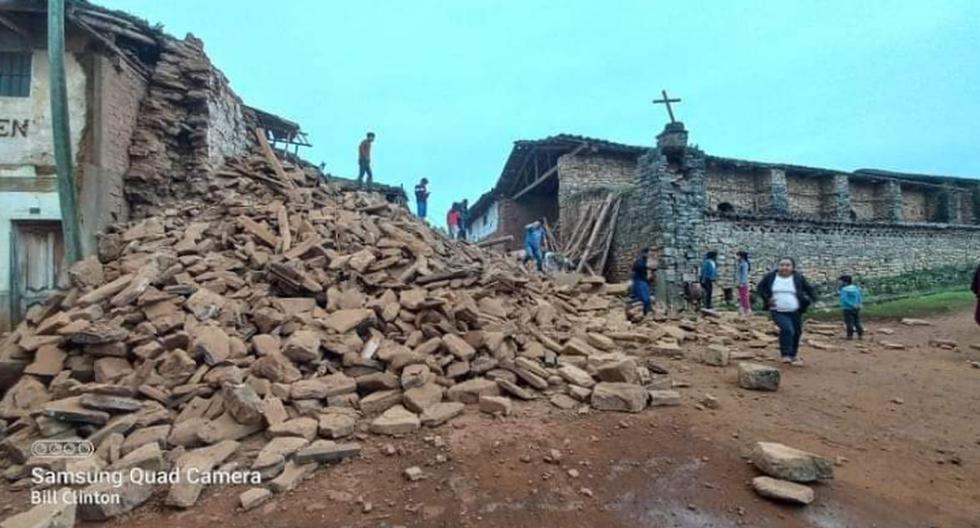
902 424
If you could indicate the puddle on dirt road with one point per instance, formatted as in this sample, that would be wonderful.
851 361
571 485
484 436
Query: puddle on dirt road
660 501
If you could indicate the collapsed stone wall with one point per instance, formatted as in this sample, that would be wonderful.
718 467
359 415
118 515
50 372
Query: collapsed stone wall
190 121
825 250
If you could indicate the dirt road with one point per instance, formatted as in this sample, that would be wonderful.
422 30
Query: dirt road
902 423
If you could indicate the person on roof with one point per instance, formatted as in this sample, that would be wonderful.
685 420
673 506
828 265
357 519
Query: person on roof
422 197
364 160
452 221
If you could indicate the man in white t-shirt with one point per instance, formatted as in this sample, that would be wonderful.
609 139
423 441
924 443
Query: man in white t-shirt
788 295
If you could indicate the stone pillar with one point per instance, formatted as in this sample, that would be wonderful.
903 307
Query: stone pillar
842 198
674 195
778 196
672 142
953 205
893 196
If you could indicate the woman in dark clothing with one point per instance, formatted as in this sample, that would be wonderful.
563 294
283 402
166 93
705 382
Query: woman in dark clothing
976 291
787 294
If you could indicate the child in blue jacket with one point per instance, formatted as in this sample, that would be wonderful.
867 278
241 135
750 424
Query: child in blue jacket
850 302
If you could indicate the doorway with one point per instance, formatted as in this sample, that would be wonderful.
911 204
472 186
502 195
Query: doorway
37 264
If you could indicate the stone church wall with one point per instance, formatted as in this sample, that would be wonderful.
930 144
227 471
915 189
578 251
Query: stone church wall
825 250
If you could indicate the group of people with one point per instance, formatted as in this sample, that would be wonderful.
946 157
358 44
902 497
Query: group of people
785 293
457 219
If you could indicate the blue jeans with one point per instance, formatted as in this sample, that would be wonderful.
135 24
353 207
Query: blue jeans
641 292
533 251
421 206
790 330
364 167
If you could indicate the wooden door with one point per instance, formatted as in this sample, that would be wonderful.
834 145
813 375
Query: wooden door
37 263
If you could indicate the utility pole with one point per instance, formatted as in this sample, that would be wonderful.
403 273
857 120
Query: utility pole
61 130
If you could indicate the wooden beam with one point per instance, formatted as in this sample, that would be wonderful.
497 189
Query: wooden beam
495 241
520 172
575 237
270 156
12 26
595 232
136 66
601 265
546 175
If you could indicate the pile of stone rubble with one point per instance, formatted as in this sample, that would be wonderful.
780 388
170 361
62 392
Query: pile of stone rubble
297 315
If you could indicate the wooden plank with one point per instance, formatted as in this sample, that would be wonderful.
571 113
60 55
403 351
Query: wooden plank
136 66
270 156
456 274
545 176
284 235
260 231
613 218
550 241
12 26
595 232
578 236
495 241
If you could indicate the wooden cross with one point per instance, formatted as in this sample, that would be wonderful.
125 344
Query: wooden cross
666 101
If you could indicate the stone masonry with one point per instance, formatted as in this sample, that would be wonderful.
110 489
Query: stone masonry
682 203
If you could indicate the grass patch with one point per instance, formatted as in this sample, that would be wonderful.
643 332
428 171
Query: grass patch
924 305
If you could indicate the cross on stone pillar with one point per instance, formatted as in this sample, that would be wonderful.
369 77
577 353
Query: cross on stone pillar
666 102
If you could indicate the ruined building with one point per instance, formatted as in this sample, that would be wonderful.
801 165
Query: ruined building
150 119
896 231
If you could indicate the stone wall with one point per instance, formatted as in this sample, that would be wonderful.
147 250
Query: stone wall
825 250
587 172
915 206
189 121
116 93
665 212
515 214
744 190
867 201
808 195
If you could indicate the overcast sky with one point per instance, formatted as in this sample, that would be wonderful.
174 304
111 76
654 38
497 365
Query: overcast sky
449 85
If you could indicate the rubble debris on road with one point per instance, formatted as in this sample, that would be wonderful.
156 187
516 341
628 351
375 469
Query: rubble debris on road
787 463
782 490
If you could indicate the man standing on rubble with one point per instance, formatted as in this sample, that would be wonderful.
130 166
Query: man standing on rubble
364 160
422 197
533 236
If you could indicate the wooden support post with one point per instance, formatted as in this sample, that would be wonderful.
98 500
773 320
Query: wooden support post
595 232
61 131
613 218
285 237
270 156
